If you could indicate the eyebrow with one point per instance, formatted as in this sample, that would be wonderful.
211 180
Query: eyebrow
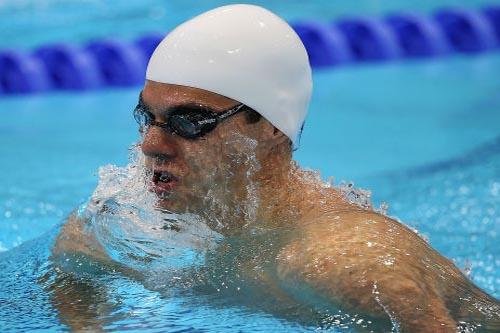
190 105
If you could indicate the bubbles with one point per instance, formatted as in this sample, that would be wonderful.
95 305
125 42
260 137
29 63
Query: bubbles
384 207
134 231
232 200
495 189
125 219
387 260
356 196
126 184
467 269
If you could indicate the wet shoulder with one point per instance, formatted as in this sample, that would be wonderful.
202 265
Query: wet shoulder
359 239
353 225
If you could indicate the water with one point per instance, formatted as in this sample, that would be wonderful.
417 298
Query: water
423 137
69 21
440 176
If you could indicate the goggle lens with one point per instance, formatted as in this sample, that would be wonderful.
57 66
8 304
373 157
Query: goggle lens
186 122
142 117
184 126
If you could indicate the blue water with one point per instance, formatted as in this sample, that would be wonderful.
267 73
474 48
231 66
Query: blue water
29 23
424 137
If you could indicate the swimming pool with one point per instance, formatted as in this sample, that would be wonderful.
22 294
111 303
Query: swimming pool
422 136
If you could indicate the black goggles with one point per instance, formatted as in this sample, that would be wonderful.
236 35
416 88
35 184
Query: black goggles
190 122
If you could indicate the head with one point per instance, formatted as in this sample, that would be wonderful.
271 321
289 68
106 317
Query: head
228 57
186 170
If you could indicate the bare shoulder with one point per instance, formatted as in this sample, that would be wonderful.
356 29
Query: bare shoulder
348 238
369 263
364 231
363 243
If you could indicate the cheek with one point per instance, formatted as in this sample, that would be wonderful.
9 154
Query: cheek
221 154
203 156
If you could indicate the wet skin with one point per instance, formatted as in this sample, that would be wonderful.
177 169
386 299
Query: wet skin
326 251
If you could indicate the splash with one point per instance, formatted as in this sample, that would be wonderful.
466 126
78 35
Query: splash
355 195
223 207
124 218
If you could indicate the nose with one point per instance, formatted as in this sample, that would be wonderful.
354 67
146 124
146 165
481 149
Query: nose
159 144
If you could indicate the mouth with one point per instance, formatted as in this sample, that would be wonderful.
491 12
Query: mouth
163 182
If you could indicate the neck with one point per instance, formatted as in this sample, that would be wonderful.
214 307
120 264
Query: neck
289 195
278 194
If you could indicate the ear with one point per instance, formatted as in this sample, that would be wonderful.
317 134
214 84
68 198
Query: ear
273 135
266 129
268 134
279 134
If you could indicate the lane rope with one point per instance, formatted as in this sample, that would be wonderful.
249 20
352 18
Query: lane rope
109 62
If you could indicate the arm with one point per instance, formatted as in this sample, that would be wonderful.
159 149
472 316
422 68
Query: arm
75 241
78 292
81 302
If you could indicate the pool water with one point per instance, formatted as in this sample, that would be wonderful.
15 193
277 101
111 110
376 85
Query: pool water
423 137
426 142
31 23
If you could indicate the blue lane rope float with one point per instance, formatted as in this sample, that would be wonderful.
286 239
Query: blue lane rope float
493 15
467 31
120 63
69 67
369 39
325 44
417 36
22 72
117 63
147 44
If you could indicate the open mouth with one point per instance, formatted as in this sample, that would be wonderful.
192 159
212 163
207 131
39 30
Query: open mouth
163 181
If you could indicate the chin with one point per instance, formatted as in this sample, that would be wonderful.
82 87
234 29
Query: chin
183 199
171 204
176 201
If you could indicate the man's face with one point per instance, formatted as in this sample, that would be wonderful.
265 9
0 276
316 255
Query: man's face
186 173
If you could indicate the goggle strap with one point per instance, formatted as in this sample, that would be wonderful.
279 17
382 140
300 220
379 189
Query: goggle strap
229 113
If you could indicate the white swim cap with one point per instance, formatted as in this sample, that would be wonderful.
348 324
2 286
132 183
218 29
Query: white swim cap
243 52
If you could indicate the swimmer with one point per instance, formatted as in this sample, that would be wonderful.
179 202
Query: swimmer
220 113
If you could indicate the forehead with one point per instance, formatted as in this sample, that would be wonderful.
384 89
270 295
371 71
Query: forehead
162 95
